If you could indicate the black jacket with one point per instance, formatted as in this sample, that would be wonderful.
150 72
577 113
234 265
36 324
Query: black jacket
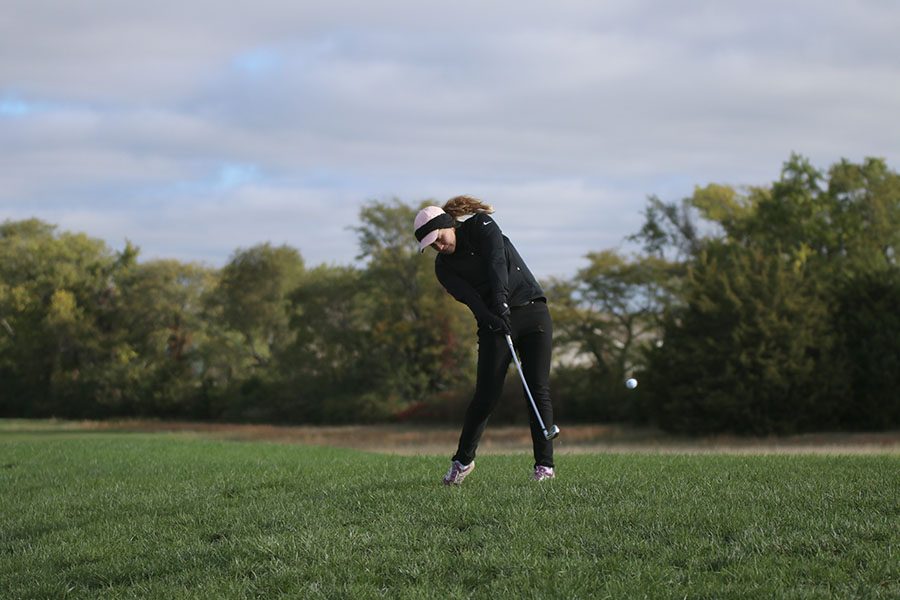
485 270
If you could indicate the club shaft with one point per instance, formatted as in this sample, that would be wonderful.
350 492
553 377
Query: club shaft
515 357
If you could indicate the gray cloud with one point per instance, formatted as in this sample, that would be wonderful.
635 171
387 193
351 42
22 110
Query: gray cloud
195 127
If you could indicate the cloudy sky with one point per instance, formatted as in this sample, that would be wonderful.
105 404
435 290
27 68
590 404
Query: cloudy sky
194 128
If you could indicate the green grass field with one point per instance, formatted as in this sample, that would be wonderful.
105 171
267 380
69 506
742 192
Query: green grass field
118 515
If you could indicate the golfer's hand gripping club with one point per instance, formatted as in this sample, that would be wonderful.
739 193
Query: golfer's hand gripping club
554 430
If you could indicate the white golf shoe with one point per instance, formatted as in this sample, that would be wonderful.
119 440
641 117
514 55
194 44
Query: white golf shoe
541 473
457 472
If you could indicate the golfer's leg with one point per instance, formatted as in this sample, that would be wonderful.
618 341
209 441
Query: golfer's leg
493 362
535 354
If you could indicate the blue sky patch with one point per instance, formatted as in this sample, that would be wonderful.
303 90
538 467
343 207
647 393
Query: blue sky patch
10 106
257 61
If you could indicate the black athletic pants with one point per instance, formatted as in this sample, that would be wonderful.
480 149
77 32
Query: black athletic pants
532 333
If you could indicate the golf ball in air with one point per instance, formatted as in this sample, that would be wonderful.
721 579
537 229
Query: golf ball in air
631 383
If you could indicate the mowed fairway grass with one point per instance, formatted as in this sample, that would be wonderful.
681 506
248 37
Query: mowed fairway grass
119 515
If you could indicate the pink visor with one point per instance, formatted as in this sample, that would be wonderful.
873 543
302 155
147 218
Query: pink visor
429 221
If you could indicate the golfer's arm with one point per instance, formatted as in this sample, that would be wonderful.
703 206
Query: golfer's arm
460 289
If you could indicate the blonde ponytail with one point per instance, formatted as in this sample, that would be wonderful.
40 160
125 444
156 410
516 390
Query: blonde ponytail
461 206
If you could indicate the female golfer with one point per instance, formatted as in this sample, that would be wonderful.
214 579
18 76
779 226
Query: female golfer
480 267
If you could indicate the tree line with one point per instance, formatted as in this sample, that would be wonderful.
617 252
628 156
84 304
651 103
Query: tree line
768 309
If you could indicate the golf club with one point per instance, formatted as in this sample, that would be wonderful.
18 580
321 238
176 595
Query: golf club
554 430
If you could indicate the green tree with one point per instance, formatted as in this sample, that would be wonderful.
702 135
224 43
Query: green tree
765 320
867 324
866 200
252 298
249 313
605 319
328 369
747 352
161 352
670 230
53 288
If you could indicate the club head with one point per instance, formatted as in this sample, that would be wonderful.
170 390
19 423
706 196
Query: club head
552 433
